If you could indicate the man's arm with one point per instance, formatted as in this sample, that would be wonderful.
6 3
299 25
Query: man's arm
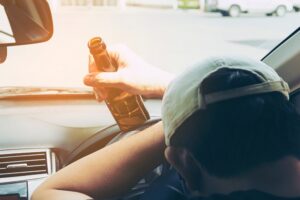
109 172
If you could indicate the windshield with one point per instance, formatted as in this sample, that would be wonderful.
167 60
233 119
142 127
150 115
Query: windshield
169 34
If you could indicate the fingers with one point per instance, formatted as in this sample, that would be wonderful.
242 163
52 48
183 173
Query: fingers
92 65
99 81
90 80
103 79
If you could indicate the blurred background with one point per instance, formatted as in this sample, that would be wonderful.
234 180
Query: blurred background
171 34
203 5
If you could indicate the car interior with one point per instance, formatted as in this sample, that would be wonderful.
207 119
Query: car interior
41 134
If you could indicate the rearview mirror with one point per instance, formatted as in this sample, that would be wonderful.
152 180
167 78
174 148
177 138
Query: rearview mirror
24 22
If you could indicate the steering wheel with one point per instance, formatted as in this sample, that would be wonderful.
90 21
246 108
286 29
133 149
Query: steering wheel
108 136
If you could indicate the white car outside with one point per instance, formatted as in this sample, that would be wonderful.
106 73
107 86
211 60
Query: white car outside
296 5
235 7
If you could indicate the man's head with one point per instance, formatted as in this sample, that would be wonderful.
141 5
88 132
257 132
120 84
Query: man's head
243 120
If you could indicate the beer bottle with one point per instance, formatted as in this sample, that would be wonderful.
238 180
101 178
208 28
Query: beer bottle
127 109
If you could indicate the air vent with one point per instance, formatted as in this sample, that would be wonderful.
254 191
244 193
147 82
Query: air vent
23 164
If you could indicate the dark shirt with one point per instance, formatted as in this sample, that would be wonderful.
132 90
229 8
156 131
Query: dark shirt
247 195
170 187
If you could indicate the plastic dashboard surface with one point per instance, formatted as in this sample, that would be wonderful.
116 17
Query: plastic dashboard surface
65 125
62 124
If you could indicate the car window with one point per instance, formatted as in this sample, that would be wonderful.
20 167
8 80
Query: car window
169 34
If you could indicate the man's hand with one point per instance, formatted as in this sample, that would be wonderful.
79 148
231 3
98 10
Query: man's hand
134 75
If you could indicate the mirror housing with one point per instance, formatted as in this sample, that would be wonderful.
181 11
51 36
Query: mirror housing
25 22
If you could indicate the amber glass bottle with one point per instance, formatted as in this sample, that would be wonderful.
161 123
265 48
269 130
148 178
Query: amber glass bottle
128 110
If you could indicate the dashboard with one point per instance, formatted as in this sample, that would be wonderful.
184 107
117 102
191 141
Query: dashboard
41 135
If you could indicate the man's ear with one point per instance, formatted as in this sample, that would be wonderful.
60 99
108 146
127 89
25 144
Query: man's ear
184 162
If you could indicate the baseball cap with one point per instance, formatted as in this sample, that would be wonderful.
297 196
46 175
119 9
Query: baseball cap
183 96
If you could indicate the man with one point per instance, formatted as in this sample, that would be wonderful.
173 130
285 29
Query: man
230 131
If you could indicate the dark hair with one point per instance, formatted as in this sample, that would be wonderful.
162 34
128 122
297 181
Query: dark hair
231 137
